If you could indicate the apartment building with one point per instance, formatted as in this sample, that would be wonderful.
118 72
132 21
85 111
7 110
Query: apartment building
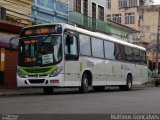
132 13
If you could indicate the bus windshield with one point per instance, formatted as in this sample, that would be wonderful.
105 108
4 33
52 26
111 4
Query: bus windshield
40 51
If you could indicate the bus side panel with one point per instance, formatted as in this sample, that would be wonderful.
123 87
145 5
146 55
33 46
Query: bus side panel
97 67
140 75
72 73
116 74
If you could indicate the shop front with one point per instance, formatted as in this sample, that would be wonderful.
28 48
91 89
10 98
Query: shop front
8 54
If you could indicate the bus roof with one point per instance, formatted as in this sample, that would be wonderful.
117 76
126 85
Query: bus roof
102 36
95 34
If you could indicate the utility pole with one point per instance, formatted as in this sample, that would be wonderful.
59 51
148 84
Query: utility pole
158 43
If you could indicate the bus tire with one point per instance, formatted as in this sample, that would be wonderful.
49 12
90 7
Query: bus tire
48 90
128 86
98 88
84 84
156 83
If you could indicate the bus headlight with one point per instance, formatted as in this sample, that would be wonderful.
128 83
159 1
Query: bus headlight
20 74
56 72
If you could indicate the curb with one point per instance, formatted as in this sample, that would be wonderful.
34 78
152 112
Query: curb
25 91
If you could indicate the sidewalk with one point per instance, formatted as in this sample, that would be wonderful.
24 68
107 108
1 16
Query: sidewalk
20 91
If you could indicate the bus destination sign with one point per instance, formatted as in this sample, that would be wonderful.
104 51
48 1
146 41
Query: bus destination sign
41 30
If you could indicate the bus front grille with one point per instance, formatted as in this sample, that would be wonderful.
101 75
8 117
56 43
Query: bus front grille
34 81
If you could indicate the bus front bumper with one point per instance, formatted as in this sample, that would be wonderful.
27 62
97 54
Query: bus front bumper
41 81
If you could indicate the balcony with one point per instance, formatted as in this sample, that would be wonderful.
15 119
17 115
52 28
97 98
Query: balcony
88 22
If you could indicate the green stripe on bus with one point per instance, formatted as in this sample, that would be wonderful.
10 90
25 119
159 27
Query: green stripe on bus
39 70
81 66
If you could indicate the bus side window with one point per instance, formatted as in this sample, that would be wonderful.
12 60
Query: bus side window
71 47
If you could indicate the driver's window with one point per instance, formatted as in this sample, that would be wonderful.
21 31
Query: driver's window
71 45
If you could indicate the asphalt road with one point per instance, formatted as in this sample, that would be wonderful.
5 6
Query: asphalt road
139 100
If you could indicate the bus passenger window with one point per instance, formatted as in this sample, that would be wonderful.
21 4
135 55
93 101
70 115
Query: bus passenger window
119 52
71 46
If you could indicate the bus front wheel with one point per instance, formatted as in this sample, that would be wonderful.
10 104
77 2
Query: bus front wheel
48 90
84 84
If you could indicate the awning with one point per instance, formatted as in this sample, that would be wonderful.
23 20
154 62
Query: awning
10 27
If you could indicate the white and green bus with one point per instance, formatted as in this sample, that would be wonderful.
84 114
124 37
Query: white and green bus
63 55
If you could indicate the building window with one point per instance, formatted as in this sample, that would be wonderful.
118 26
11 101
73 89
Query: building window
77 5
108 4
116 18
100 13
109 16
122 3
129 18
133 3
140 17
85 7
128 3
93 10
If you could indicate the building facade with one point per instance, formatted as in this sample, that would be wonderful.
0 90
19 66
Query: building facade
130 13
46 11
14 15
91 14
18 11
140 15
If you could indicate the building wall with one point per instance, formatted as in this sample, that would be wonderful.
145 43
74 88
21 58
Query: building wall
148 27
50 11
147 24
18 11
122 33
116 10
17 15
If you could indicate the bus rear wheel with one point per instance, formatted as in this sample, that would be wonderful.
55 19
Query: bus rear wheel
84 84
156 83
48 90
128 86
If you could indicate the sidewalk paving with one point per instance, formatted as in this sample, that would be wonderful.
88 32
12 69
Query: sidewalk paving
20 91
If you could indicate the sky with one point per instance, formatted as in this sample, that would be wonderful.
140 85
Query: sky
156 1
